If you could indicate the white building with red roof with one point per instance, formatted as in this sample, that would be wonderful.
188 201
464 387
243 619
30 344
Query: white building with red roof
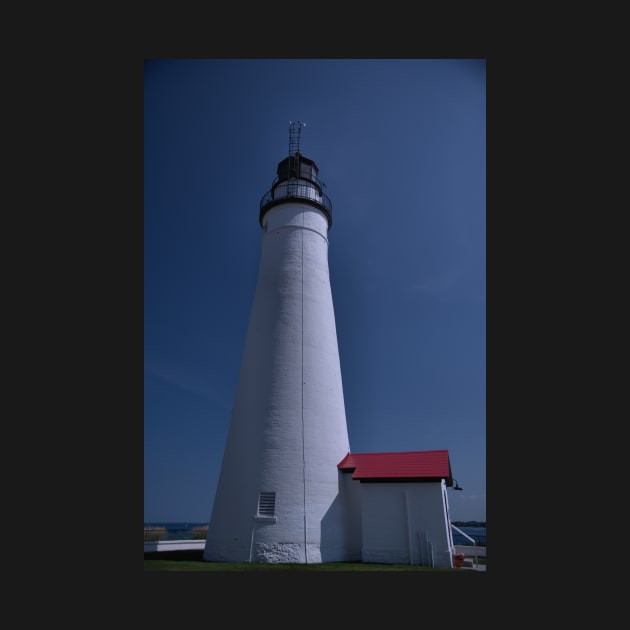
397 507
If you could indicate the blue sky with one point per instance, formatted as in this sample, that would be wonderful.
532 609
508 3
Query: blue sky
401 147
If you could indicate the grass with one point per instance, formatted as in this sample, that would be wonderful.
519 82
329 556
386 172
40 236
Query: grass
191 560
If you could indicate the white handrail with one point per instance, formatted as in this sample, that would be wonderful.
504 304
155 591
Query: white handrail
472 540
464 534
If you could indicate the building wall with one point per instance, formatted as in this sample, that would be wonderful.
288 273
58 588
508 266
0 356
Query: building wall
350 491
405 523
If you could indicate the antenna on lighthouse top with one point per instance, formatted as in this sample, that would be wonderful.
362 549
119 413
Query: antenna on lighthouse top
295 128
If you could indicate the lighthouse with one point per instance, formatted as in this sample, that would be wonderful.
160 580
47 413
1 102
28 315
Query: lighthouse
278 494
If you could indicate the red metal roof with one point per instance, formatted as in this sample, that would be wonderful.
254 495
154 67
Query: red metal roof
411 465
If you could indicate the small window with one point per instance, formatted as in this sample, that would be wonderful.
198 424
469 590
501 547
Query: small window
267 504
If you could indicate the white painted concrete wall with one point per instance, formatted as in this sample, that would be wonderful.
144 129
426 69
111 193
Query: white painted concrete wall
405 523
471 550
173 545
288 427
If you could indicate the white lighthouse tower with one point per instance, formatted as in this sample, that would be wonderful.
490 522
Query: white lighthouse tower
277 498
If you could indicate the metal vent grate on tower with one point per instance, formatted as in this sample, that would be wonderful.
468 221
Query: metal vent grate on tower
267 503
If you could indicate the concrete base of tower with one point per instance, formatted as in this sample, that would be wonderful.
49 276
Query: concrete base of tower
226 552
274 553
296 553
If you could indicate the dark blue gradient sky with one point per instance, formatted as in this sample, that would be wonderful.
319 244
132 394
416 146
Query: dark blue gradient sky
401 147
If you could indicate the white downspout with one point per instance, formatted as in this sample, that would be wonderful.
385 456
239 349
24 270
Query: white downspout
251 543
429 548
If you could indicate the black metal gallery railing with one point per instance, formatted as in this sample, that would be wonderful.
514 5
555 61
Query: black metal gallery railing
288 189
